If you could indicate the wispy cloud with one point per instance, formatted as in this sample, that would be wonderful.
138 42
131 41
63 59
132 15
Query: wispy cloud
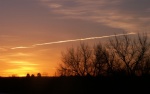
21 47
21 54
54 5
123 14
64 41
8 38
3 49
23 63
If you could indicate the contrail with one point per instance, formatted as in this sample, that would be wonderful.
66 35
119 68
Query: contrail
57 42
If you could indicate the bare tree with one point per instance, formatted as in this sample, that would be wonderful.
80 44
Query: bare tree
76 61
105 61
131 52
123 55
146 66
101 60
143 53
87 61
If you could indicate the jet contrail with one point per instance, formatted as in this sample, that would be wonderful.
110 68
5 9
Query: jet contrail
57 42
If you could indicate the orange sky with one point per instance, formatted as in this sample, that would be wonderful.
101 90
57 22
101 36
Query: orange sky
34 24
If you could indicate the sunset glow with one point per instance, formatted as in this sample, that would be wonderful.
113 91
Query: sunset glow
22 71
33 33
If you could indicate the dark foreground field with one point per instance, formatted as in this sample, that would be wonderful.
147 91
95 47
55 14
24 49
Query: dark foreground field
75 85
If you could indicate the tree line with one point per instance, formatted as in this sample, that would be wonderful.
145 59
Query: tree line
121 55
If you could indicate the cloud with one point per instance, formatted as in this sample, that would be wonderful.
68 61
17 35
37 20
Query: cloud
21 47
123 14
3 49
54 5
21 54
9 38
64 41
22 63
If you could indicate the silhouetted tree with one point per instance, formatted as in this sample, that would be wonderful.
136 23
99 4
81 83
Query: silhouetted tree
38 74
146 66
28 75
131 52
101 60
123 55
105 62
32 75
76 61
14 75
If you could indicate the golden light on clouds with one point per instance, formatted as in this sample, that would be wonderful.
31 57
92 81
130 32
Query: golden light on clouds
22 63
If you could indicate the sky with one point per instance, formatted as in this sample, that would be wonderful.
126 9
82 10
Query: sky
33 33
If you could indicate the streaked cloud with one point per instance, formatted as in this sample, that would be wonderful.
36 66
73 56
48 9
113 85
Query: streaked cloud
21 54
22 63
3 49
21 47
54 5
64 41
123 14
8 38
